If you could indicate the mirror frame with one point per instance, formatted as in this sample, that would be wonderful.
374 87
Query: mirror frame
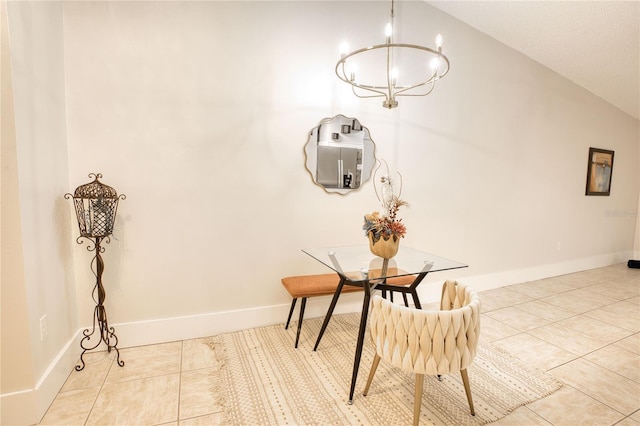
346 126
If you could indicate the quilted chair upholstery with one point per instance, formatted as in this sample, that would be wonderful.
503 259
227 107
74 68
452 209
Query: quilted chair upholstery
428 342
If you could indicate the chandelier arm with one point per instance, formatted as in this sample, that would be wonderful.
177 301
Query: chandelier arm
399 92
379 93
374 89
417 94
342 75
339 69
431 81
380 89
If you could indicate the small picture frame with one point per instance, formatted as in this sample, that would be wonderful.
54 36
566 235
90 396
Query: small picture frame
356 126
345 129
335 136
599 172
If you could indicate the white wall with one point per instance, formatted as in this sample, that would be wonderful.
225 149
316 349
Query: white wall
504 149
198 112
16 360
46 286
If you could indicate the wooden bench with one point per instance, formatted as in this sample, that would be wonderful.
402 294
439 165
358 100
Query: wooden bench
305 286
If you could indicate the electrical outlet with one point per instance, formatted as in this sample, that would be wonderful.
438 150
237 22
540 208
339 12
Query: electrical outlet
44 328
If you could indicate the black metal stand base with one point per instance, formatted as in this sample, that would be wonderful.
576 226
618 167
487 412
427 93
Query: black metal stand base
100 332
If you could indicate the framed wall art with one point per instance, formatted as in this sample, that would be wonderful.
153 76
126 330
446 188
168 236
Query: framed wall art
599 172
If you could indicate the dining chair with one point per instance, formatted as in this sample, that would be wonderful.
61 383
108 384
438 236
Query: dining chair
431 342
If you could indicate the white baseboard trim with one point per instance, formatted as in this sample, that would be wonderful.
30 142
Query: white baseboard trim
196 326
431 288
517 276
18 408
29 406
56 374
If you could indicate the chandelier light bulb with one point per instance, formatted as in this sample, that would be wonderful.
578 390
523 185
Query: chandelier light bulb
394 76
435 63
388 30
344 49
353 69
439 42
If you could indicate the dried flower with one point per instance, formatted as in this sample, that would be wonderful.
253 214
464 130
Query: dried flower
386 225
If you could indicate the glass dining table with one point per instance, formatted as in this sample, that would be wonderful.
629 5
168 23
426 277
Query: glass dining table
357 266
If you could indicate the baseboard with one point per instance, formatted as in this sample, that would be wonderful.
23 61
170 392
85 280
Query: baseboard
28 407
57 374
196 326
18 408
516 276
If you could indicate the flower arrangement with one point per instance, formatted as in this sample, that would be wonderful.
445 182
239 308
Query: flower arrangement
386 224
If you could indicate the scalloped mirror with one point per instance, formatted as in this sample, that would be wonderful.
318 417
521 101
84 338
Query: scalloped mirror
340 154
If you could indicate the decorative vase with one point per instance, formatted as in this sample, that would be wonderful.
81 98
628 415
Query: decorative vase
384 248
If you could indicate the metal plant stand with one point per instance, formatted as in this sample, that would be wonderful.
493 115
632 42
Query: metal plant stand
95 205
100 322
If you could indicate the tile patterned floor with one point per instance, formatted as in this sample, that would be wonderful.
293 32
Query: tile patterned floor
583 328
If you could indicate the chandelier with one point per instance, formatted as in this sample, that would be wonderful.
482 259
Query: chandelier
374 71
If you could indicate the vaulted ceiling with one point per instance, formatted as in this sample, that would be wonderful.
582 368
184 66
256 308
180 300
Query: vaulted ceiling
596 44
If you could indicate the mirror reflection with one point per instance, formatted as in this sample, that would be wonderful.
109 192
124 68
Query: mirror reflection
340 154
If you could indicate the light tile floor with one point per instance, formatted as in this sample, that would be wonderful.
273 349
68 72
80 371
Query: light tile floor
583 328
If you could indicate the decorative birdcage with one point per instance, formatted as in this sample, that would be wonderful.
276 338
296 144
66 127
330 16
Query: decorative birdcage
96 205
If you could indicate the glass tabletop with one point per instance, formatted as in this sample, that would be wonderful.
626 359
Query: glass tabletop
357 263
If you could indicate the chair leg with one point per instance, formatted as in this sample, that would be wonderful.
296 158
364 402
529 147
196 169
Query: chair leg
302 306
417 399
404 296
293 305
467 389
374 367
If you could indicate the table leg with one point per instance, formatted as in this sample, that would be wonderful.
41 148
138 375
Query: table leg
360 345
414 290
332 306
416 301
404 297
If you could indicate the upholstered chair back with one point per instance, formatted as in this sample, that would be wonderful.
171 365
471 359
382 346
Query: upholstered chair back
427 341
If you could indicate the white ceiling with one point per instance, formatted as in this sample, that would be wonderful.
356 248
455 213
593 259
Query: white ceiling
596 44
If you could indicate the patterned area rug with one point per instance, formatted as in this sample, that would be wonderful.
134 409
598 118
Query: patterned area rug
264 380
